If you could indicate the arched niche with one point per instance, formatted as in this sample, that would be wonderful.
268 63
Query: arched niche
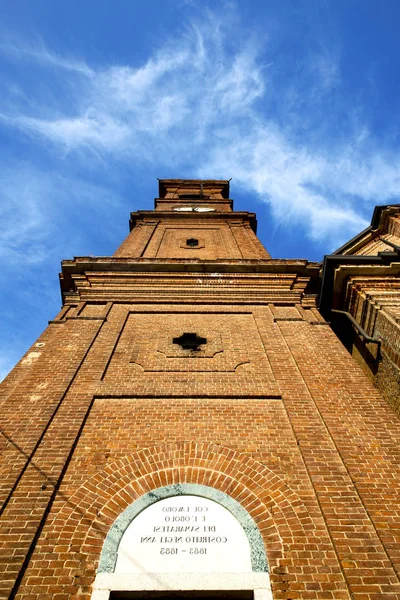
183 537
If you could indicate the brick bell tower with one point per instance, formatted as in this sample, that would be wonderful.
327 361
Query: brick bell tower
190 426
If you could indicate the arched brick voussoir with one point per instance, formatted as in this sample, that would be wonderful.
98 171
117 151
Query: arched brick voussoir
280 514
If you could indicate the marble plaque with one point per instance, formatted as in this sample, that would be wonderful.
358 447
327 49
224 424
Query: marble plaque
184 534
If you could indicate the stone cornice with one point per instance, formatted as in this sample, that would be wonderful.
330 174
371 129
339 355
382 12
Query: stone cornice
143 216
105 278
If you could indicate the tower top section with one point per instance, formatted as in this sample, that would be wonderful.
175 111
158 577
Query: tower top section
199 188
193 219
208 193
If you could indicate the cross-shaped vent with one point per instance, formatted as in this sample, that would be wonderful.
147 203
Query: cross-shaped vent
190 341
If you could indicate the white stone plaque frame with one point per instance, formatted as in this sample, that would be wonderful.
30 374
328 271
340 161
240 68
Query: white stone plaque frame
257 580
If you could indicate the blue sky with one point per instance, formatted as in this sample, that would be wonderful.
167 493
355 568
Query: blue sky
296 100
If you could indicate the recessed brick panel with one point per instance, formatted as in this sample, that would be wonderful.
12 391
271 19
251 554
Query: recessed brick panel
232 360
170 242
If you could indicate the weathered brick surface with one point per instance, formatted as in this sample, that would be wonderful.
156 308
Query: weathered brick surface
272 411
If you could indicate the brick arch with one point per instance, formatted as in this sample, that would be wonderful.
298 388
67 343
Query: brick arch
112 542
293 533
281 516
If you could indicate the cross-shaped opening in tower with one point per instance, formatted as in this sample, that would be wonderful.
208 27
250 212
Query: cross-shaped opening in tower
190 341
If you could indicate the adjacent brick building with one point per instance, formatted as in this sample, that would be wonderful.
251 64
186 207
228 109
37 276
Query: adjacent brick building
361 296
192 364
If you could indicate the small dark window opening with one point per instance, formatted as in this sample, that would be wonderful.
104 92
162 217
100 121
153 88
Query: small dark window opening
190 341
192 242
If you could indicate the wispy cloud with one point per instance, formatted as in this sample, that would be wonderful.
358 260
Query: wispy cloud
98 131
22 209
203 103
36 209
45 217
36 51
326 66
294 181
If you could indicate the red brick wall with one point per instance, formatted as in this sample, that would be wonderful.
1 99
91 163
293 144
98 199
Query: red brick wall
317 468
218 238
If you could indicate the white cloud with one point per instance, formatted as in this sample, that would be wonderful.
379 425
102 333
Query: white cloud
288 178
97 131
201 103
369 175
38 52
35 210
23 211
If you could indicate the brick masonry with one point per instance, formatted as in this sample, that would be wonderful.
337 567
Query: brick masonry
273 411
368 288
